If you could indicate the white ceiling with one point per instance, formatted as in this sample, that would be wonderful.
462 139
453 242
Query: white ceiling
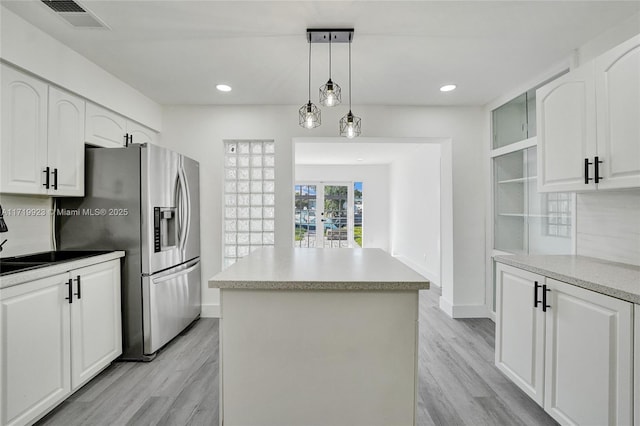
334 151
175 52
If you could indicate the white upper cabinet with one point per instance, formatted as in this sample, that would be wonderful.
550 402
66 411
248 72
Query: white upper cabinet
23 149
66 143
107 129
140 134
42 137
589 124
104 128
617 74
566 117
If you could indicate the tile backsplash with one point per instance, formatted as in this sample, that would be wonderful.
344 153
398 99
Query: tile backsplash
28 220
608 225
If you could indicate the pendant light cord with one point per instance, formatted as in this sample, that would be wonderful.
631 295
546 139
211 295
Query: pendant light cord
349 73
309 70
330 56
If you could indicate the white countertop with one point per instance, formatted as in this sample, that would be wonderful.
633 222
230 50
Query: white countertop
319 269
618 280
10 280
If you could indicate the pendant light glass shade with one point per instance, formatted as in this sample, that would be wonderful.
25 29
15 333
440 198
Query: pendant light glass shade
309 114
330 93
350 125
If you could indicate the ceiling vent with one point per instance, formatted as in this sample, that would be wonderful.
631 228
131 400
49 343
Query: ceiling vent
74 14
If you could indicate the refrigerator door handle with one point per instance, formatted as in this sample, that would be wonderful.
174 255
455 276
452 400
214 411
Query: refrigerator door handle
180 210
187 206
162 278
183 205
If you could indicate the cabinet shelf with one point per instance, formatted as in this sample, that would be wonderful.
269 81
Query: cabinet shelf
534 215
518 180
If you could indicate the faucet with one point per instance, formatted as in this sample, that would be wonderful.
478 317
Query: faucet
3 227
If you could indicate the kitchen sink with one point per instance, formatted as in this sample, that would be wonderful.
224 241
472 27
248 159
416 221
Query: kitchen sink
53 256
10 265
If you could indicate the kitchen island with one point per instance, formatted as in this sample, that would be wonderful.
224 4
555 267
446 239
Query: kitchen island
318 337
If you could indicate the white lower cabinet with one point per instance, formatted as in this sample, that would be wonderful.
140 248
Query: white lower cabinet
589 357
636 351
57 333
35 369
571 351
520 329
95 320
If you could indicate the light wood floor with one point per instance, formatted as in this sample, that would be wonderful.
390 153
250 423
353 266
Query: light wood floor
458 383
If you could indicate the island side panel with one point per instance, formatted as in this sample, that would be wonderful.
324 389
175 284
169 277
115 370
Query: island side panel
318 357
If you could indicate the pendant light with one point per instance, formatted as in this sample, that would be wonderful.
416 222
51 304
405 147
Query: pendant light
350 125
330 93
309 114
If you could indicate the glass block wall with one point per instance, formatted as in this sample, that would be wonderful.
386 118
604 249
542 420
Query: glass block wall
249 197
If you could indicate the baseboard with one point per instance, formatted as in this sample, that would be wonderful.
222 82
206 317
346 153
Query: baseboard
446 306
463 311
419 269
210 311
492 315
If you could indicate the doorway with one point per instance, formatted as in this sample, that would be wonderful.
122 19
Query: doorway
326 214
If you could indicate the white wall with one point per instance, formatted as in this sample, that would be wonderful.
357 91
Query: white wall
609 225
198 131
609 39
28 219
375 195
415 209
29 48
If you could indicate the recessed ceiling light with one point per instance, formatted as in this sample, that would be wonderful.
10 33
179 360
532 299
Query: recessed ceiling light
223 88
447 87
360 159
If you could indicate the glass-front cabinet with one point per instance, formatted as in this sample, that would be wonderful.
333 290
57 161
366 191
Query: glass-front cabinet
524 221
514 121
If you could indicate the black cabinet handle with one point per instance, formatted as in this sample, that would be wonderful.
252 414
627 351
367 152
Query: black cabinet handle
78 294
46 177
55 178
586 171
596 165
536 286
70 291
130 139
544 298
126 139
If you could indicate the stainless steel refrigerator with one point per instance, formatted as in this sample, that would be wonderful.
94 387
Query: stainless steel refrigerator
142 199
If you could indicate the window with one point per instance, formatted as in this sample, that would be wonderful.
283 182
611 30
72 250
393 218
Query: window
328 215
249 197
558 214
